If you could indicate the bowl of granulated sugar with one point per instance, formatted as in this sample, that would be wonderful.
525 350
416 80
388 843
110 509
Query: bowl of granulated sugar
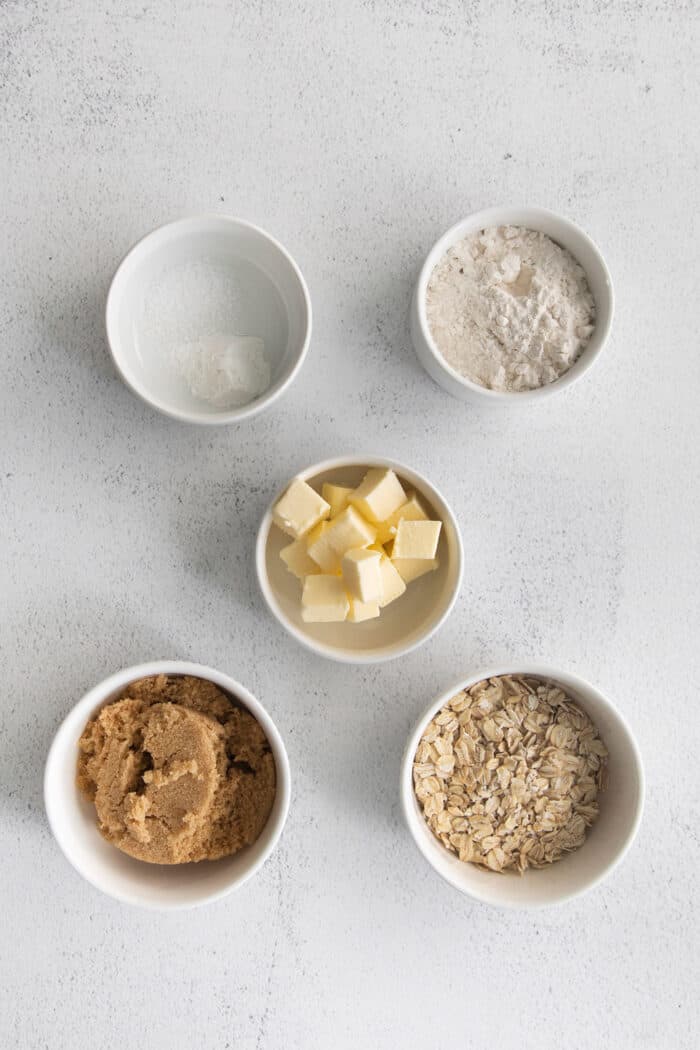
208 319
511 305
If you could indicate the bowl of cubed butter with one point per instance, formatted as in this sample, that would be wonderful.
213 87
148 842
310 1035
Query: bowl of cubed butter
360 560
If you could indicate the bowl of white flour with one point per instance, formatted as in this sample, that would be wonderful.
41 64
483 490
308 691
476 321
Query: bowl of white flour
511 305
208 319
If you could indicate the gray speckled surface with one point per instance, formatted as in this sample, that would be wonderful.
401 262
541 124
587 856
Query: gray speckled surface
356 137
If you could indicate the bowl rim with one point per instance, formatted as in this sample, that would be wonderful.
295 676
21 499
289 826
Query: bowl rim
497 216
227 416
331 652
556 674
94 699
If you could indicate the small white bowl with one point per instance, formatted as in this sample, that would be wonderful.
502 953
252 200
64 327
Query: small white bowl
566 234
607 842
160 887
403 625
259 290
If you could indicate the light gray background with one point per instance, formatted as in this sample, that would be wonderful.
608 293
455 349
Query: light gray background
356 133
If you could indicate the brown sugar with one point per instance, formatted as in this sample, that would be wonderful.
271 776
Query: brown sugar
177 771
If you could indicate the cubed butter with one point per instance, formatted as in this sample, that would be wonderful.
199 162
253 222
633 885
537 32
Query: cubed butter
297 560
411 510
410 569
299 509
360 611
355 550
321 550
416 539
336 496
350 530
392 584
324 600
362 575
378 495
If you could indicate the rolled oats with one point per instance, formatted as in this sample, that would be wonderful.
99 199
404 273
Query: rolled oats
508 773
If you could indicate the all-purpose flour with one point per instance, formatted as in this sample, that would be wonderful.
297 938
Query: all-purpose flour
509 309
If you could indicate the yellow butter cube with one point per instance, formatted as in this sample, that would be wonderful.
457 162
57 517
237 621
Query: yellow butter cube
416 539
392 584
321 550
362 575
324 600
350 530
297 560
378 495
336 496
411 569
299 509
360 611
411 510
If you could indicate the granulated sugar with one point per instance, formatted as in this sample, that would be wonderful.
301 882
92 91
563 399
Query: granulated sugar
216 325
510 309
225 370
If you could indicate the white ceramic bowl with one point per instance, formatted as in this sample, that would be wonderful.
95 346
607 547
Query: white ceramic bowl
608 840
258 290
159 887
566 234
403 625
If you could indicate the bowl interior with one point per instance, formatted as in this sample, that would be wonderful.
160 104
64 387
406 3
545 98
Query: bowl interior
401 624
194 279
73 822
568 236
606 842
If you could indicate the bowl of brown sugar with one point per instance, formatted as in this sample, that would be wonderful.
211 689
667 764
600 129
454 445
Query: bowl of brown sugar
167 785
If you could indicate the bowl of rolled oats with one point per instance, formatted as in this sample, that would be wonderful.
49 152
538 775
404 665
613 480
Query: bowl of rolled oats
522 788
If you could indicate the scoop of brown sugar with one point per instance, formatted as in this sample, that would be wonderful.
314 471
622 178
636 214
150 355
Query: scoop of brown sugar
177 771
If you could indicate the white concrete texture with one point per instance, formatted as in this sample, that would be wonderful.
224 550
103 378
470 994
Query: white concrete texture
356 133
